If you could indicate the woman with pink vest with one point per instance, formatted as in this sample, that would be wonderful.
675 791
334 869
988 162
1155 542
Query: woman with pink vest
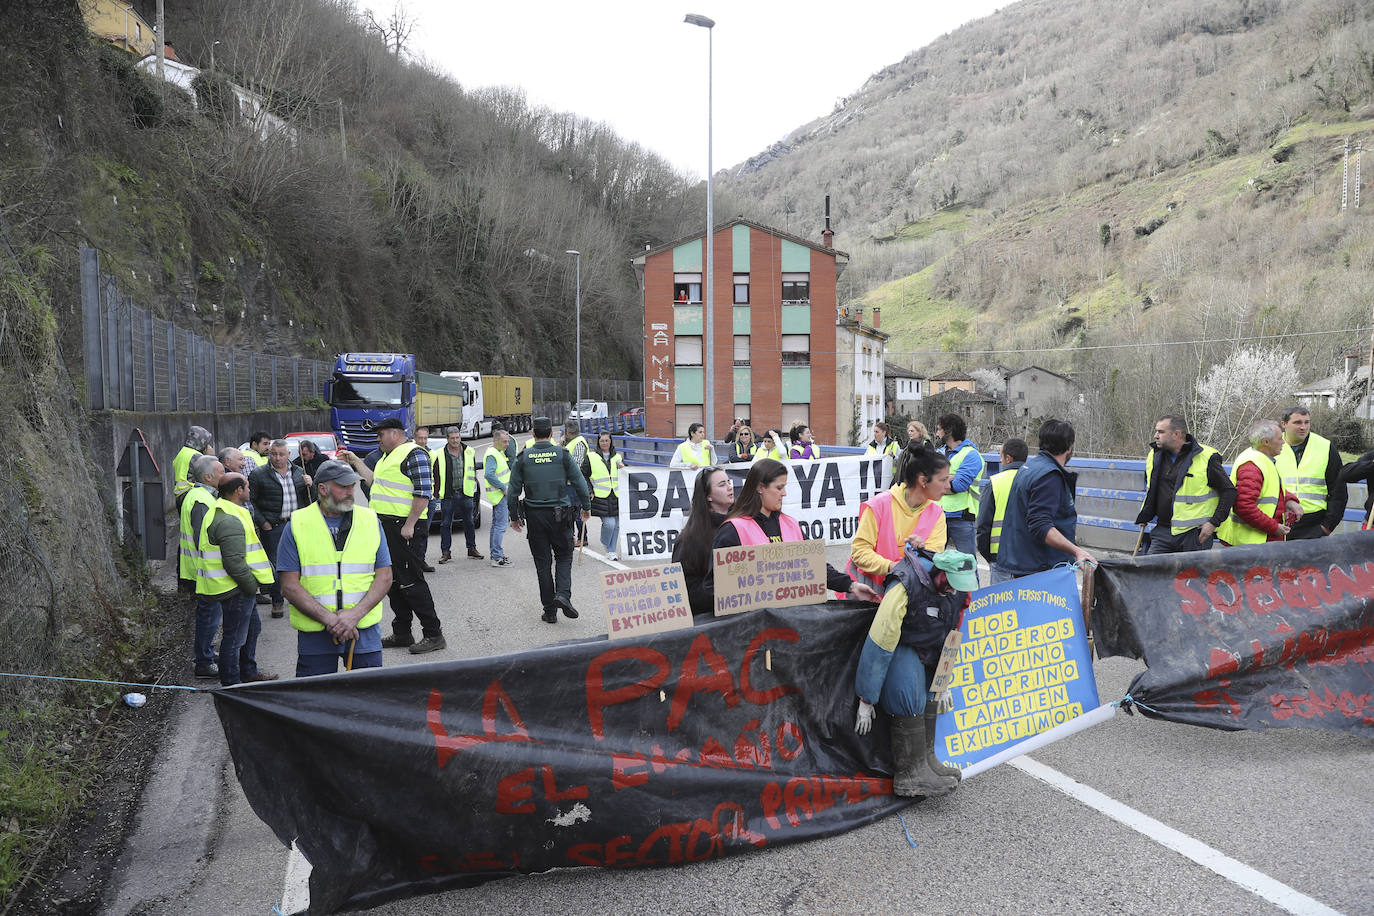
757 518
910 511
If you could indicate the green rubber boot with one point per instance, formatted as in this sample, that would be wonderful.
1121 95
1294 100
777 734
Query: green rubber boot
935 763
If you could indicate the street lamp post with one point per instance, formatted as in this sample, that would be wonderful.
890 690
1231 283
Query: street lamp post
578 382
708 361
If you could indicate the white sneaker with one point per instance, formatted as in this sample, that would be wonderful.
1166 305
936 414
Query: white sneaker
503 562
612 557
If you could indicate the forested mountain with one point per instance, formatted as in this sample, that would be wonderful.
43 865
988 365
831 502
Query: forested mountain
1082 173
436 224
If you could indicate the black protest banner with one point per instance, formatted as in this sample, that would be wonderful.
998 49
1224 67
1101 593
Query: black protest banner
674 747
1263 636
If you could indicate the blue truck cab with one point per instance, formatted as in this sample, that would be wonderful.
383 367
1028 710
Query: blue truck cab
364 390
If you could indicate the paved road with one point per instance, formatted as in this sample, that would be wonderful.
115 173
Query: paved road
1295 806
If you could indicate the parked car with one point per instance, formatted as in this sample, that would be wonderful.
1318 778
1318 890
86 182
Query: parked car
634 418
326 443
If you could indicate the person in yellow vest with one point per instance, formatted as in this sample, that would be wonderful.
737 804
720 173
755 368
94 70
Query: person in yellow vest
335 569
496 480
803 443
965 468
771 447
882 442
1311 469
401 488
455 485
1187 491
743 449
1264 510
234 565
601 467
992 504
204 473
258 444
696 451
197 442
577 446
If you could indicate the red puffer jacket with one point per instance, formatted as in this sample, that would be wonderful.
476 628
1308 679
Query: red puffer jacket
1249 483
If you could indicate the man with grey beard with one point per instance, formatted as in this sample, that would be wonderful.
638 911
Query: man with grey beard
335 569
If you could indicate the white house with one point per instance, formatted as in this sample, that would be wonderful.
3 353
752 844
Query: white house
859 374
252 107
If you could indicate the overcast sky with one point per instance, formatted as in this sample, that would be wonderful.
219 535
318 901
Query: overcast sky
637 66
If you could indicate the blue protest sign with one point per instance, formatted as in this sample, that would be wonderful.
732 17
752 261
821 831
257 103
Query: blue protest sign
1024 667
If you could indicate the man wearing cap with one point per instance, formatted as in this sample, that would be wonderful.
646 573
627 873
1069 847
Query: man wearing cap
204 473
400 495
1041 521
197 442
925 596
545 472
233 566
335 569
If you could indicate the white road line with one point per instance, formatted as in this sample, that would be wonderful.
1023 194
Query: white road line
295 896
1276 892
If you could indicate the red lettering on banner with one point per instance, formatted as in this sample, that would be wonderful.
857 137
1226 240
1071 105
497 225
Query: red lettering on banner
621 777
789 730
691 680
1260 593
1293 595
803 797
1194 602
754 755
687 841
1313 705
598 697
1222 662
447 745
1223 577
764 697
514 791
1212 699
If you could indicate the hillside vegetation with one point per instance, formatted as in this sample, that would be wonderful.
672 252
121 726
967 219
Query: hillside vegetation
1073 174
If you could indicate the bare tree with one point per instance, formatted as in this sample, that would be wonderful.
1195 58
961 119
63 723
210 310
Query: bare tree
395 29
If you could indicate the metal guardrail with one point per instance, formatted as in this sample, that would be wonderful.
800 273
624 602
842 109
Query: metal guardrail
1109 489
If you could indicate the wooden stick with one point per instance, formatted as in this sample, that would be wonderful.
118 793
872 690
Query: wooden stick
1139 539
1087 599
352 644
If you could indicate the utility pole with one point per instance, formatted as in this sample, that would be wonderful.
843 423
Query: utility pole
343 142
161 43
1345 173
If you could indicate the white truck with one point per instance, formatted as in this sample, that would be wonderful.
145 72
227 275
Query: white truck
508 397
589 410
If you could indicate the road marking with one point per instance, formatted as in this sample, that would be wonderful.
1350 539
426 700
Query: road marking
1276 892
295 895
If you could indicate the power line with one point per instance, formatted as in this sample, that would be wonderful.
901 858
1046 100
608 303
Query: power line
888 351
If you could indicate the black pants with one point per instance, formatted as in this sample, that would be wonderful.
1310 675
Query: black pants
1162 540
410 597
550 543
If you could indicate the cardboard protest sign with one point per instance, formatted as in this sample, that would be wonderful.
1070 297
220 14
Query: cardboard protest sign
643 601
822 495
1024 667
670 748
748 578
1274 635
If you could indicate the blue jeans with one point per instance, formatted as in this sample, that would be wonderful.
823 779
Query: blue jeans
906 685
270 539
610 528
961 534
999 575
463 506
208 614
238 647
500 521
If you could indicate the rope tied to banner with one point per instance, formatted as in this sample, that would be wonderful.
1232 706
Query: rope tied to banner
1127 702
86 680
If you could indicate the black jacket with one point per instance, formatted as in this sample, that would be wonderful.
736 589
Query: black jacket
265 492
1217 479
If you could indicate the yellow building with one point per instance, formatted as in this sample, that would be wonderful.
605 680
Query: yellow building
116 22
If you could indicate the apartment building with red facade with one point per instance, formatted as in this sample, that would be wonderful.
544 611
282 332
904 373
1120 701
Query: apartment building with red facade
774 347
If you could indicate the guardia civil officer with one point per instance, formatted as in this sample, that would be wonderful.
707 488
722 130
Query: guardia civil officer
545 472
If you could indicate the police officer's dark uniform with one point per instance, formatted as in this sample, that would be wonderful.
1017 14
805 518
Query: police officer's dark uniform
544 472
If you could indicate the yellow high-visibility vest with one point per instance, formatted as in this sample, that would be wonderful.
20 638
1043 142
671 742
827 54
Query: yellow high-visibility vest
392 491
1306 481
1194 501
211 577
496 494
1235 531
605 480
330 574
